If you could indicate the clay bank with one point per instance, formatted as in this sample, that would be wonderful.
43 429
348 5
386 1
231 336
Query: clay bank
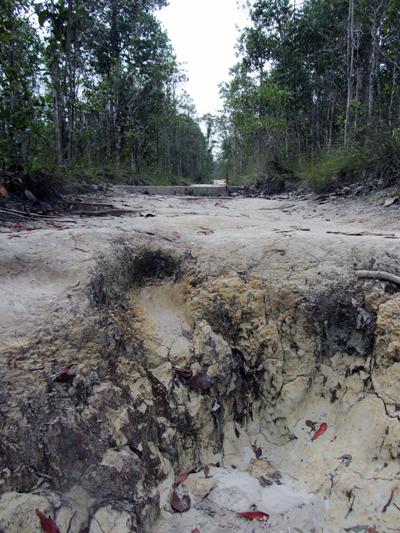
216 366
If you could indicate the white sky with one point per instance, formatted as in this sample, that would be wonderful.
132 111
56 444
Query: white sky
203 34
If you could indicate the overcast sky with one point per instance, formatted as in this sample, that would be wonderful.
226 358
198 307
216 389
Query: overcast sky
203 34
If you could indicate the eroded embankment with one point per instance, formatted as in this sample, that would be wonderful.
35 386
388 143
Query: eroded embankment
175 369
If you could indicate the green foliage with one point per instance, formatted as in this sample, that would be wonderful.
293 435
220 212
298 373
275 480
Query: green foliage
376 161
320 171
94 84
310 79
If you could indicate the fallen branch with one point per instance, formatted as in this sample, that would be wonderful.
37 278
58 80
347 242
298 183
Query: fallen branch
104 212
378 274
27 215
16 213
364 234
279 208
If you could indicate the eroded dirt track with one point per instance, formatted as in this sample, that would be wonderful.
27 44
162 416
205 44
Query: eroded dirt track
259 298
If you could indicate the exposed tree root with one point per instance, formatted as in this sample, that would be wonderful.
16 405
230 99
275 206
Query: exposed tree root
378 274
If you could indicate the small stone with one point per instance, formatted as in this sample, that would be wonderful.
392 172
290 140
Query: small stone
17 512
262 470
199 487
112 521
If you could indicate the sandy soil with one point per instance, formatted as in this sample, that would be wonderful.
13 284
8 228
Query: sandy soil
43 270
44 274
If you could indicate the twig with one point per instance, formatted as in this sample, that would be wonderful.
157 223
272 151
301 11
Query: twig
378 274
389 500
41 474
353 496
70 522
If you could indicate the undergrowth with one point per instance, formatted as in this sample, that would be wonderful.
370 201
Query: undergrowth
322 171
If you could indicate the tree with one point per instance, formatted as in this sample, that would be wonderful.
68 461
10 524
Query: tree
310 78
19 102
94 84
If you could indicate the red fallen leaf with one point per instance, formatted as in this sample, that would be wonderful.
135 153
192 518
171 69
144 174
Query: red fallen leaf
206 470
256 449
180 505
320 431
257 516
196 530
66 374
200 382
185 373
48 525
181 479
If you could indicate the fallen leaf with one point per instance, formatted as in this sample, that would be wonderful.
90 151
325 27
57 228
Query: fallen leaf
66 375
176 235
48 525
181 479
256 449
257 516
200 382
185 373
206 470
311 424
3 192
180 504
196 530
320 431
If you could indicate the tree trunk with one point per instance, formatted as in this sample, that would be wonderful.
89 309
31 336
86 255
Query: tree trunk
392 96
350 71
371 81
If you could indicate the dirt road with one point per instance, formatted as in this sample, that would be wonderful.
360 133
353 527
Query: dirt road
41 271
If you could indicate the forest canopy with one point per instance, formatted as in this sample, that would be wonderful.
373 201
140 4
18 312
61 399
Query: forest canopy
93 86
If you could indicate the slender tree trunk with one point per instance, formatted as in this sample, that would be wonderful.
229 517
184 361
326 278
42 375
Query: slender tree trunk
392 96
329 121
350 71
371 81
70 67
